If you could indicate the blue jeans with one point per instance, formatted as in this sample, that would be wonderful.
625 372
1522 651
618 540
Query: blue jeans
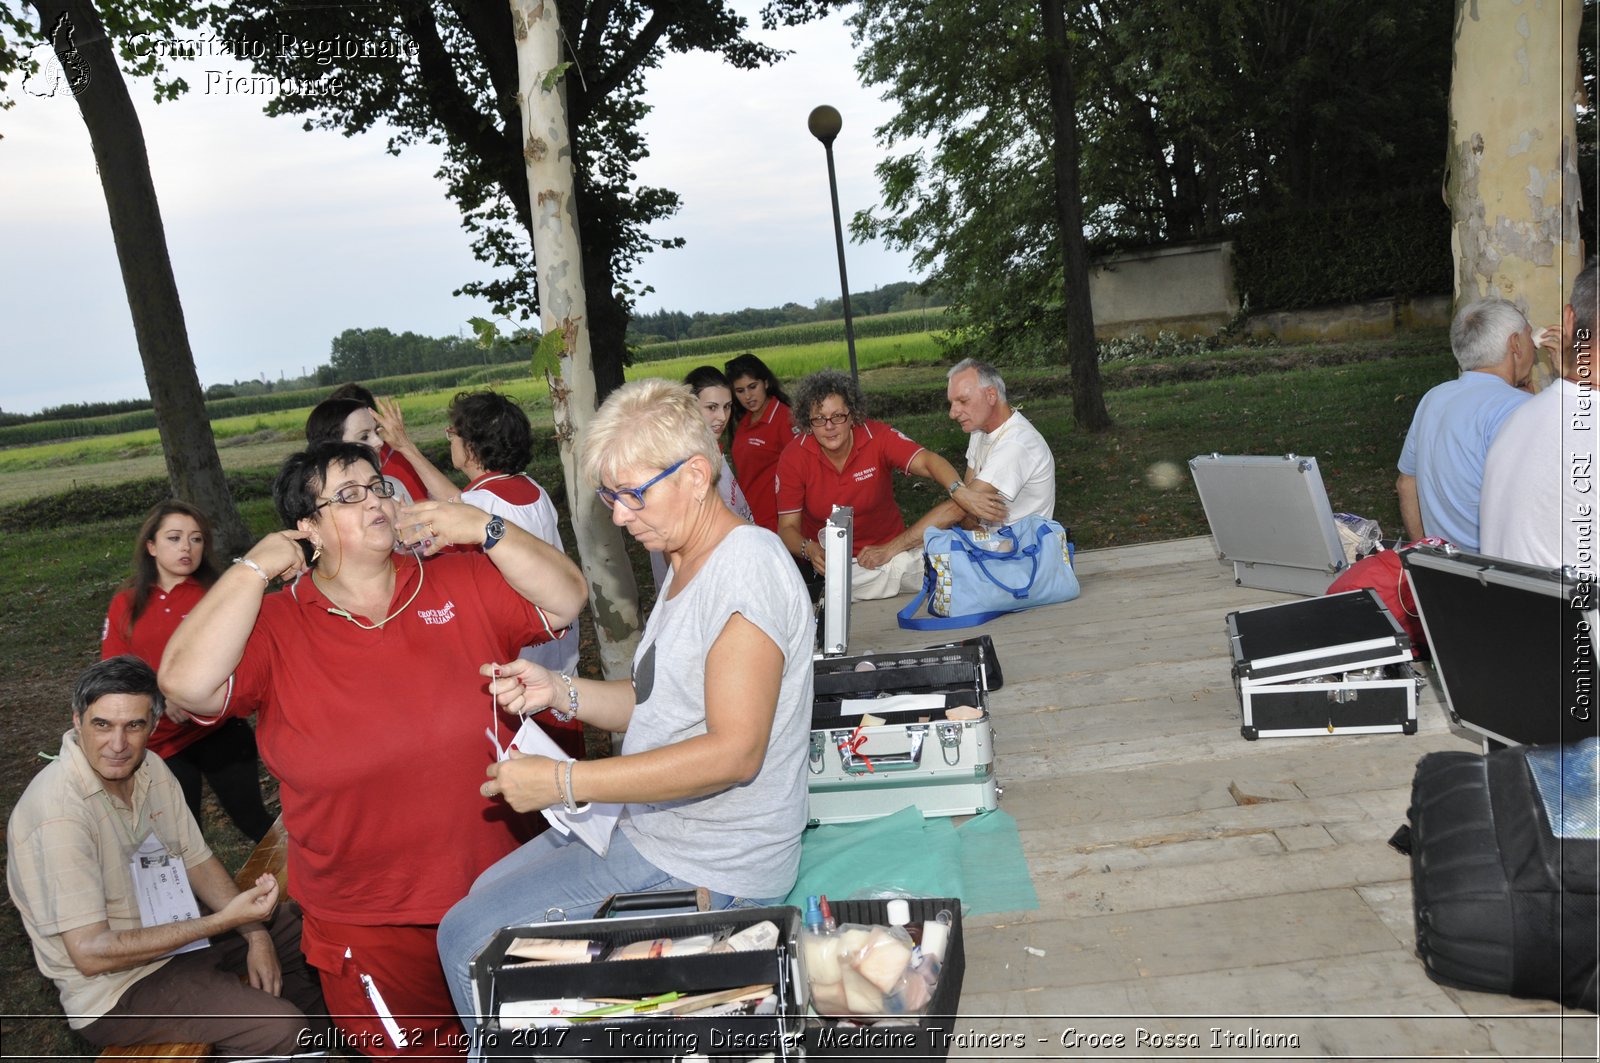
551 878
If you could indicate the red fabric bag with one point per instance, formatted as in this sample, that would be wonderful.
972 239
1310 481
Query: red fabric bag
1383 573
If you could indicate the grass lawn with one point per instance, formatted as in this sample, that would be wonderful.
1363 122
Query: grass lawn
1351 415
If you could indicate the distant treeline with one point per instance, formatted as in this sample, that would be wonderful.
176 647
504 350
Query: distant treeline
715 347
372 354
668 326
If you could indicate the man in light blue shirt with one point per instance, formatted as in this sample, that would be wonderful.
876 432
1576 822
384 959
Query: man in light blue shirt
1441 465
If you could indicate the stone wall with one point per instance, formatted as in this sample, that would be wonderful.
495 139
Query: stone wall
1188 289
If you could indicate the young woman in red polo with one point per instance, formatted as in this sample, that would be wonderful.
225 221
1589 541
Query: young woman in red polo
173 568
760 435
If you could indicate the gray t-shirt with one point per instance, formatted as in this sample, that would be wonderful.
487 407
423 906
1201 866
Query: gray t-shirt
743 841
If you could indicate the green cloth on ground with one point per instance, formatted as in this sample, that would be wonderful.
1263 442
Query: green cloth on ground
995 869
981 861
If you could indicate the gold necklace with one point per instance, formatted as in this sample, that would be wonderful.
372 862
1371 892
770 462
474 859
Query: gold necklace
373 627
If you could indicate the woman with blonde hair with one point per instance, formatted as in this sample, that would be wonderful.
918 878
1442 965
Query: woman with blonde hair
712 774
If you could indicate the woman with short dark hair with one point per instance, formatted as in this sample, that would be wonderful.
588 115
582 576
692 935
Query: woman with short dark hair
844 459
362 673
491 441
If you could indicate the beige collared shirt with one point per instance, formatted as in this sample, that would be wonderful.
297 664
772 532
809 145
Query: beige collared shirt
68 845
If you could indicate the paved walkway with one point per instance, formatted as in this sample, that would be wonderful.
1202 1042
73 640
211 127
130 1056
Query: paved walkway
1202 896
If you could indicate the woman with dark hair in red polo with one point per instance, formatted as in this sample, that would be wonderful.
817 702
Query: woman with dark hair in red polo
173 568
760 436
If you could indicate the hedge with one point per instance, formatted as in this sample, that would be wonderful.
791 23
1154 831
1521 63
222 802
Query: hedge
1349 253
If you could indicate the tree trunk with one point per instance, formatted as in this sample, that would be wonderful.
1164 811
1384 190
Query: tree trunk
1088 398
1512 181
193 468
557 250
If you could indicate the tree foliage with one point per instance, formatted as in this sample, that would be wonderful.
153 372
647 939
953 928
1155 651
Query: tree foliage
445 73
1193 115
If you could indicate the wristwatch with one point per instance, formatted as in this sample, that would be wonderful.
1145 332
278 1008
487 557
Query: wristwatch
955 485
493 532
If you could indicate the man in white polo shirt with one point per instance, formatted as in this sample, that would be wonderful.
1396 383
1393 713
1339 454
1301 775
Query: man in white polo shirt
1005 453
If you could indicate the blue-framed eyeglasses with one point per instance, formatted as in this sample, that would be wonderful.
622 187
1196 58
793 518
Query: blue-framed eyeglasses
633 497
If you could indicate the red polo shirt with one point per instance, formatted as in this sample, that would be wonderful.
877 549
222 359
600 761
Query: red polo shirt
377 737
148 641
756 446
810 485
393 463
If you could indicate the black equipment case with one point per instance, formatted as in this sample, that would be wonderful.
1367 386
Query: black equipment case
1513 645
1504 870
497 980
1333 665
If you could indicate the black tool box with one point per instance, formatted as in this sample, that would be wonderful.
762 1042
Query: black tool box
1334 665
499 980
1513 645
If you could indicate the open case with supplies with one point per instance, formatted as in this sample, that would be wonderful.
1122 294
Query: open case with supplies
1334 665
510 989
1513 645
918 755
933 1032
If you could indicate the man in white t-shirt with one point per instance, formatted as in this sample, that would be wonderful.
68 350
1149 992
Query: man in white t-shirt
1539 497
1005 454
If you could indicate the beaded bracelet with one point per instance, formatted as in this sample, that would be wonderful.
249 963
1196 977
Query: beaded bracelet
259 570
572 701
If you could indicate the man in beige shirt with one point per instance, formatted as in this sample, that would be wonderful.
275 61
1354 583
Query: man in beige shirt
105 828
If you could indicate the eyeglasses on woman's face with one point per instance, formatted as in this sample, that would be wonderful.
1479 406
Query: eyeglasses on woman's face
633 497
833 419
350 494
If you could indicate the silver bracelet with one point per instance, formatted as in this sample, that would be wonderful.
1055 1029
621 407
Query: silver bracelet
567 799
572 701
259 570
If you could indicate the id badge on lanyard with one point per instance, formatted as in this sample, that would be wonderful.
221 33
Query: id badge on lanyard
161 884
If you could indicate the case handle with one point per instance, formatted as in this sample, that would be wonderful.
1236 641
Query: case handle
855 763
698 898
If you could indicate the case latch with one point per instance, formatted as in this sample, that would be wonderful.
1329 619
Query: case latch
950 739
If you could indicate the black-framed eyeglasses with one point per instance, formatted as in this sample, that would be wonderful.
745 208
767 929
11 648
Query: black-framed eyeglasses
633 497
351 494
834 419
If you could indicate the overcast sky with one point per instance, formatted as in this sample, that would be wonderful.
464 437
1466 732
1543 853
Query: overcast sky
282 239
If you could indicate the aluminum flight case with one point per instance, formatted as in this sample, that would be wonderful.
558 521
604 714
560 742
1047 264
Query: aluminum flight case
499 980
1271 519
1513 645
916 756
1340 664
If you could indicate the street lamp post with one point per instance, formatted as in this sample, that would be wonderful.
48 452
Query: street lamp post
825 124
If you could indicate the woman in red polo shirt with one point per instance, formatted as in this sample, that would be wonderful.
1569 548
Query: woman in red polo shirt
843 459
760 435
172 569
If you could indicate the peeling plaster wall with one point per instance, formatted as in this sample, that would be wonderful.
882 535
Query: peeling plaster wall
1512 182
